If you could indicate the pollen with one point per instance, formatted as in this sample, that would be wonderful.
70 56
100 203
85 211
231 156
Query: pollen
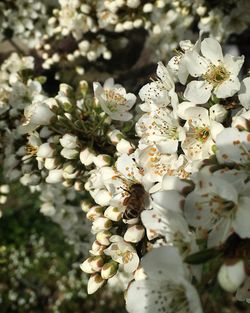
31 150
216 75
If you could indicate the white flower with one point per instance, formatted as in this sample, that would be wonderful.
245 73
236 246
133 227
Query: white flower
219 204
114 100
166 288
218 73
156 164
123 253
36 114
201 132
166 220
161 128
157 93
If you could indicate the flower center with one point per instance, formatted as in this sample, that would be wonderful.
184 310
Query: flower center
223 207
127 256
114 99
216 75
202 133
31 149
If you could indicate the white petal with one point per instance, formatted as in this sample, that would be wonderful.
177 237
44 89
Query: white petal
244 93
233 63
220 233
198 91
196 65
242 220
227 88
211 50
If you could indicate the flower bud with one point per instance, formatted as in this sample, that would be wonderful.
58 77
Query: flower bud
79 185
68 168
133 3
115 136
109 269
54 177
94 212
102 160
85 205
124 146
95 282
148 8
5 189
69 154
3 200
134 233
97 248
83 84
101 223
87 157
86 266
103 237
45 150
218 113
97 263
231 276
50 163
66 89
102 197
69 141
114 214
47 209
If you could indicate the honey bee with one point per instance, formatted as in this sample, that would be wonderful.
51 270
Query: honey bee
135 202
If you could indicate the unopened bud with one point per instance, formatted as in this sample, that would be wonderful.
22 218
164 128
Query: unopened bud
115 136
112 213
85 205
109 270
69 141
54 177
94 212
87 157
95 282
134 233
103 237
86 266
124 146
45 150
231 276
102 160
97 248
101 223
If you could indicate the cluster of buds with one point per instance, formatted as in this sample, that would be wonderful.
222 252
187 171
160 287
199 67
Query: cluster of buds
110 252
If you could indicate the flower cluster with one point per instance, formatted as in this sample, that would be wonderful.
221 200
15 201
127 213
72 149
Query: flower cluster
162 196
70 35
163 177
